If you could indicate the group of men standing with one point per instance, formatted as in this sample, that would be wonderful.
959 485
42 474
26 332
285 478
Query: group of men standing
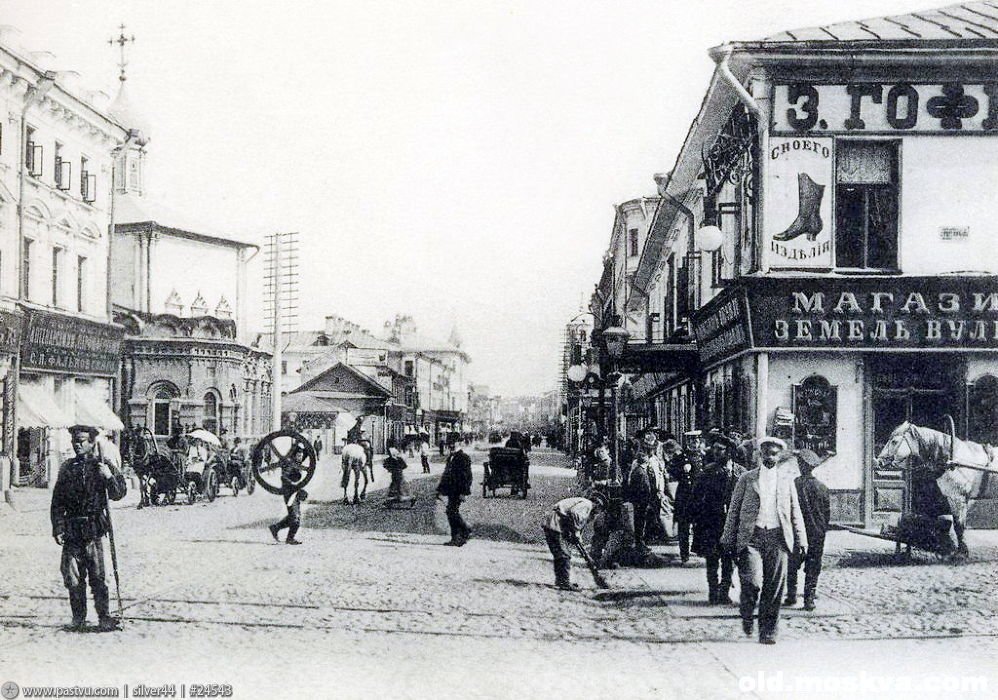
744 508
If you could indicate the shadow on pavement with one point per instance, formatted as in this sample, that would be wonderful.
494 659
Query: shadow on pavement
620 595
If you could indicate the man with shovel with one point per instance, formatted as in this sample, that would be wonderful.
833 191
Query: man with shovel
80 519
562 529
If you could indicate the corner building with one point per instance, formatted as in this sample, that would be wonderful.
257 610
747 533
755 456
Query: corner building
846 278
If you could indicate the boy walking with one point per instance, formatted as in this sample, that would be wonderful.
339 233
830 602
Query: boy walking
814 505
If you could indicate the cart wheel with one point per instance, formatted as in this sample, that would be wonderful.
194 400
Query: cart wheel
192 492
282 449
211 486
234 484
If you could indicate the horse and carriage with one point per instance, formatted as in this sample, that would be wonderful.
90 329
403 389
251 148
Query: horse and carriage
197 469
507 467
942 474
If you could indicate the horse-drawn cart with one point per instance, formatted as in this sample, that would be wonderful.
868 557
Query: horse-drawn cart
506 467
941 473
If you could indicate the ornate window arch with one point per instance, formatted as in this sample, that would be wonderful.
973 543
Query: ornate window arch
163 408
212 409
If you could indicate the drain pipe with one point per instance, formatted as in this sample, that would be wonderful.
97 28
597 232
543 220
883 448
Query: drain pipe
762 121
721 58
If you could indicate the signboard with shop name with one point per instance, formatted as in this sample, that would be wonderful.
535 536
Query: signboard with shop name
72 345
722 327
798 197
876 313
10 332
885 108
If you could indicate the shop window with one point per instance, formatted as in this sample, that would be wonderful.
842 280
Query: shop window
866 205
982 400
210 420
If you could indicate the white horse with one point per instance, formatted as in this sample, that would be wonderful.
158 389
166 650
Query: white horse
946 474
354 460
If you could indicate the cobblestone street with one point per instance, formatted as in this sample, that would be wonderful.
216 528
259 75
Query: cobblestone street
373 603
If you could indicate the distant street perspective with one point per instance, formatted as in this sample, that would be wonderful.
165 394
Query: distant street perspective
499 349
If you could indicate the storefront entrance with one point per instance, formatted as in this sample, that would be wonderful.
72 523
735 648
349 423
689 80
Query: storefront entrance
921 389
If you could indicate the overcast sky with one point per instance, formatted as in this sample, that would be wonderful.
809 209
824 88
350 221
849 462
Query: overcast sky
456 161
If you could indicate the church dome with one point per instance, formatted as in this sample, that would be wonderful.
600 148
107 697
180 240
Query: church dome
123 111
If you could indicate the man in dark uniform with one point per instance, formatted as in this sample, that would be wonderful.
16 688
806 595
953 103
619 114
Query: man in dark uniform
681 470
455 484
293 494
815 506
711 495
79 522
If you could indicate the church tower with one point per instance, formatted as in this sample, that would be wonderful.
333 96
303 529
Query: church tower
129 167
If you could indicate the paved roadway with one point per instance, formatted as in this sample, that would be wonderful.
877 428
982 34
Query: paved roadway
373 604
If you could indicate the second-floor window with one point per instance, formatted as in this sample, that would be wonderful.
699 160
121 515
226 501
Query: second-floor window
26 270
32 153
632 242
56 255
88 181
81 283
409 368
866 204
63 169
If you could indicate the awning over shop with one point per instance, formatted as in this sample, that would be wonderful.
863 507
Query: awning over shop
36 408
92 411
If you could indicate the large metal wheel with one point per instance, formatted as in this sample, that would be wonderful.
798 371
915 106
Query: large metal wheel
283 451
211 484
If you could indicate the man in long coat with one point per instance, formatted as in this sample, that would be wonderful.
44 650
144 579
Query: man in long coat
710 498
455 484
80 520
684 472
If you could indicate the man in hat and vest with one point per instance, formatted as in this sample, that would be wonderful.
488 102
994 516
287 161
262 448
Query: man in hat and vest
764 526
80 520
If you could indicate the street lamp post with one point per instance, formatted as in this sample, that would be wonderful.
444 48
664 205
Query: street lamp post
615 338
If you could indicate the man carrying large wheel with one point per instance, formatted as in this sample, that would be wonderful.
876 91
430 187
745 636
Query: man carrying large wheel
80 520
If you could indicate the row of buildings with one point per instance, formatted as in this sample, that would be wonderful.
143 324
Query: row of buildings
105 321
819 262
401 383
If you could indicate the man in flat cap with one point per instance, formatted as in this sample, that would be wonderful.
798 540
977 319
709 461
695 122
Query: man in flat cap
764 526
79 522
712 490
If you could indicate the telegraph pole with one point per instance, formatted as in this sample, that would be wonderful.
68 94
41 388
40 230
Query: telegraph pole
280 306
